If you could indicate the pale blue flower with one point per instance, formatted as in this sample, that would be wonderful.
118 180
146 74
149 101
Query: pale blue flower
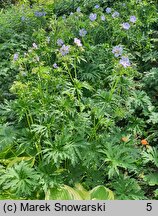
133 19
103 18
126 25
108 10
124 61
55 65
48 39
96 6
78 9
117 50
15 57
24 74
115 14
64 17
23 18
77 42
93 17
40 13
64 50
82 32
60 42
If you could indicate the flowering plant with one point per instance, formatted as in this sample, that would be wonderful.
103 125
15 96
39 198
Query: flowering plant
78 100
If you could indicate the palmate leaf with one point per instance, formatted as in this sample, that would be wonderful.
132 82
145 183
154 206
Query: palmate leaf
151 155
41 130
20 179
65 146
115 157
7 136
127 188
151 179
79 85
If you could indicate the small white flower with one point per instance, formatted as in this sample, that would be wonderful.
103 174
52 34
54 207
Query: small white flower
103 18
77 42
35 45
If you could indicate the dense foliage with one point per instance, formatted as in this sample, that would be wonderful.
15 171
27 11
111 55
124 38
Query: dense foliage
78 99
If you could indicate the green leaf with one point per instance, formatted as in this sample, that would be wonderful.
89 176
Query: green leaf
151 155
156 193
101 193
7 136
20 179
151 179
79 193
116 157
82 192
63 193
127 188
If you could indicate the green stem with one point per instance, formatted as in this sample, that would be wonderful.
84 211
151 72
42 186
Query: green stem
114 85
75 69
28 121
69 73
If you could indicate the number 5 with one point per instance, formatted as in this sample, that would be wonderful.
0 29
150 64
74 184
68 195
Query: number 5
149 207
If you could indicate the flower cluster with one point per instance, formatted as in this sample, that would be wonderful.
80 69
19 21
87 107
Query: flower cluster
126 25
40 13
124 61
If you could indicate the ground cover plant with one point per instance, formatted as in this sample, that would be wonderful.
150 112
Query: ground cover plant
78 99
